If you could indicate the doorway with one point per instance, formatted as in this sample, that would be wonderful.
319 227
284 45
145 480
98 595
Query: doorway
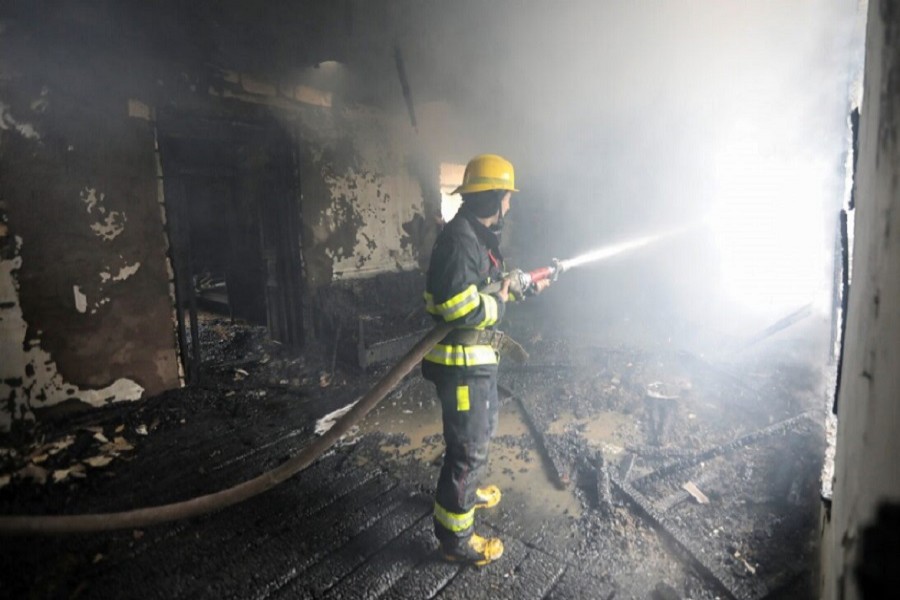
233 222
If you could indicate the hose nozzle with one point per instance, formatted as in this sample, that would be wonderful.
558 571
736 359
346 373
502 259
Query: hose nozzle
558 267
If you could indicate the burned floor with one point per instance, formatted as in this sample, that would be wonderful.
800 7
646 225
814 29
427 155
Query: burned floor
628 471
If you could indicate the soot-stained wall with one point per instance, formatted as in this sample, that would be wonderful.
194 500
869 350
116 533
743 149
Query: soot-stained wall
86 295
364 209
369 196
85 304
86 286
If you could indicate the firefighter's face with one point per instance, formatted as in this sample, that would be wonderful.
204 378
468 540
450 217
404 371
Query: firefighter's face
504 204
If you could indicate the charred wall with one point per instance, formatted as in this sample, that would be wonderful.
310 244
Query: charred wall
87 281
369 201
86 309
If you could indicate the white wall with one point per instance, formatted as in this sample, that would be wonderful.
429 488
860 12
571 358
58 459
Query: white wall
867 464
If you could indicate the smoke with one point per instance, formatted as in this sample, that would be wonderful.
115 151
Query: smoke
627 118
623 119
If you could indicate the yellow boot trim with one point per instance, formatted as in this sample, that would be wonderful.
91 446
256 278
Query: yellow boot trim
481 551
487 497
490 548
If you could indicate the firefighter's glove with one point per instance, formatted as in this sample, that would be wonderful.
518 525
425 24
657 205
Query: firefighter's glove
504 292
519 287
539 286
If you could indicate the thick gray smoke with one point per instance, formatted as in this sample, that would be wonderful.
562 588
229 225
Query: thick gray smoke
628 118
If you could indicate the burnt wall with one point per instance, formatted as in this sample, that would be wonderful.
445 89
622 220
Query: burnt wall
369 197
86 301
363 207
86 286
86 308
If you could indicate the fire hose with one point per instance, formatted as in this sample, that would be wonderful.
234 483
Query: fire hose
521 283
142 517
154 515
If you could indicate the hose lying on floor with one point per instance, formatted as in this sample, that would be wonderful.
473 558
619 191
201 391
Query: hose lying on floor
142 517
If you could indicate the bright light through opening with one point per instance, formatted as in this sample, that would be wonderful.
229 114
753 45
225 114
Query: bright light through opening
451 178
769 228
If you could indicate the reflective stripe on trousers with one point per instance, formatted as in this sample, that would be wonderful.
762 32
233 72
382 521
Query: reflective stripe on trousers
455 522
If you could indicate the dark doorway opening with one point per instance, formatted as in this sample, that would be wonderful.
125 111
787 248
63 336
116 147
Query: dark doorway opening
233 221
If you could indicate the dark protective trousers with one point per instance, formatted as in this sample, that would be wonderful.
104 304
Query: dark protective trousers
470 410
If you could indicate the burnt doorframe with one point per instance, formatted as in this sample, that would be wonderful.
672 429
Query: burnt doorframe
279 219
271 176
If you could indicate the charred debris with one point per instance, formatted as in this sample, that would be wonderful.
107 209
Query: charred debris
678 479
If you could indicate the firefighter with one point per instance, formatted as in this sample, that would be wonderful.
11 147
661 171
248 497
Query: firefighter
463 366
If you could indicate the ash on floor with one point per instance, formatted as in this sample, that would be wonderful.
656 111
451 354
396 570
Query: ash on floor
627 473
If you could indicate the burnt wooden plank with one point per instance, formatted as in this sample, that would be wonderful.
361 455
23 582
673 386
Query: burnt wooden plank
336 565
578 583
292 547
380 572
305 485
473 582
425 580
551 447
177 565
124 552
290 558
535 576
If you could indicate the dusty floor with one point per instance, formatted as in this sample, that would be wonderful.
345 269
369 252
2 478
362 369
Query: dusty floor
594 447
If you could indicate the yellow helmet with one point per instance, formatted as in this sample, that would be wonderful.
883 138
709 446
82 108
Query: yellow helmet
488 172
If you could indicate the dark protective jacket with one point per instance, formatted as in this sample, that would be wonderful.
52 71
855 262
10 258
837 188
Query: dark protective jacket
466 256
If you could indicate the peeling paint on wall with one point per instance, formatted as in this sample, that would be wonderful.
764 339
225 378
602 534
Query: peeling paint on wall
30 379
93 299
374 209
80 299
111 223
123 274
363 207
7 121
40 104
139 110
94 294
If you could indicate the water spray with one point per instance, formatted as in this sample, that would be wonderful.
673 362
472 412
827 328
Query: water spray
524 281
143 517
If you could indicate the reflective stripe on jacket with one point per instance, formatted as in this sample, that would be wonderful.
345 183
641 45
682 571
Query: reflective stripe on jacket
461 262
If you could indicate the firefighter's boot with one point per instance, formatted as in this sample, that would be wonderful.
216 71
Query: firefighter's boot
487 497
476 551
